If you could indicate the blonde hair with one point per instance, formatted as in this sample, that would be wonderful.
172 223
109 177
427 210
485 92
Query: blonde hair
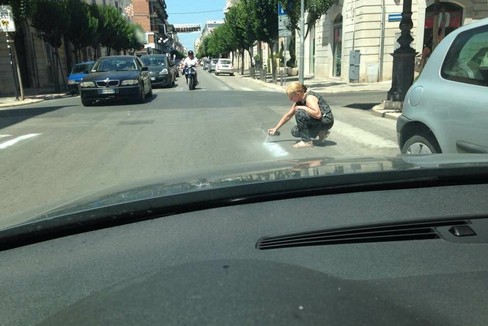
295 88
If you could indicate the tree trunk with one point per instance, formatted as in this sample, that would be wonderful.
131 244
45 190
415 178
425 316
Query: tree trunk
242 61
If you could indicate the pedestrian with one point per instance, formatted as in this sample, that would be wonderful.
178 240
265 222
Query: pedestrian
312 114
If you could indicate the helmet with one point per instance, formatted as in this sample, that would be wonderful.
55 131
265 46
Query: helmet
190 52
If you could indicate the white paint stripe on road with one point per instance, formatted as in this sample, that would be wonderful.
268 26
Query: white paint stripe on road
361 136
5 136
16 140
275 149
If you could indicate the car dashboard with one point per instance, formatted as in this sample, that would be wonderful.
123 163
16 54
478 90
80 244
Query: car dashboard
281 261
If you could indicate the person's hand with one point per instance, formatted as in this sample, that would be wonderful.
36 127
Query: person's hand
272 131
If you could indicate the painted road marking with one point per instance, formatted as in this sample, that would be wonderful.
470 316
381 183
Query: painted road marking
5 136
14 141
361 136
275 149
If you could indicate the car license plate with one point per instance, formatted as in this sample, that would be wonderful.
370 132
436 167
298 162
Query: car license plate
153 78
107 91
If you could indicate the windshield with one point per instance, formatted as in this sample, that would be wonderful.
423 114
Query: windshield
353 98
154 61
114 64
81 68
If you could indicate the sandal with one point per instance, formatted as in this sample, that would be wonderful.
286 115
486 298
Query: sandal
323 134
303 144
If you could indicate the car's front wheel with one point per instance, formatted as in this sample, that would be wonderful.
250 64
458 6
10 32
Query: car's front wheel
141 96
421 145
86 102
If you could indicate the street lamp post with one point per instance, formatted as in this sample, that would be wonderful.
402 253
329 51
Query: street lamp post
302 40
403 58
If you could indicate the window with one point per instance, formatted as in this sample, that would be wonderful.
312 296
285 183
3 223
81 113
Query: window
467 59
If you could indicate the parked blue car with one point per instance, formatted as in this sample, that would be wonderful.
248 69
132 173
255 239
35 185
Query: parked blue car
79 71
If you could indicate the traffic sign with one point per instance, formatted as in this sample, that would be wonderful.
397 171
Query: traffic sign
6 19
281 10
394 17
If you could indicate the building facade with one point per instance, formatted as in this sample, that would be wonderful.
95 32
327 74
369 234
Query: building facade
26 54
356 38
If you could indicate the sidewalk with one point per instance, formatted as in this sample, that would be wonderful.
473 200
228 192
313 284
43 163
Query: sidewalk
335 85
31 96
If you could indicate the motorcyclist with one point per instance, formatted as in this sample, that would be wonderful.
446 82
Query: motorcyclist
189 61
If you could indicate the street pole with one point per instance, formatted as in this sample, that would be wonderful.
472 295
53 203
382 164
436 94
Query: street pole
403 59
302 40
9 46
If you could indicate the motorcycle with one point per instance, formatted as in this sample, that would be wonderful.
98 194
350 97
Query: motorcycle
191 76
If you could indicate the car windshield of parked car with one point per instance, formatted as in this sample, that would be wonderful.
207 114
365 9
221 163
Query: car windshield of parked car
81 68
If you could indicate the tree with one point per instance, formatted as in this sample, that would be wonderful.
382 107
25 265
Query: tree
115 31
264 22
314 9
242 37
51 19
83 28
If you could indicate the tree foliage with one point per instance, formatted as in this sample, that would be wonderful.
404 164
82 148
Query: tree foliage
83 28
51 19
314 9
264 20
237 20
82 24
115 32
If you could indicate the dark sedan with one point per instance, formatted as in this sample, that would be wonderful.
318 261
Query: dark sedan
116 77
161 70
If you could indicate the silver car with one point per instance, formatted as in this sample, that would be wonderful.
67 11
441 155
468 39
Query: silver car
446 109
212 64
224 66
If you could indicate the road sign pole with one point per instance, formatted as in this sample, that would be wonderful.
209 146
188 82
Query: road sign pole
11 58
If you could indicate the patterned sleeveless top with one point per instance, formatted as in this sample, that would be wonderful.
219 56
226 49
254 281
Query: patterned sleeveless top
327 116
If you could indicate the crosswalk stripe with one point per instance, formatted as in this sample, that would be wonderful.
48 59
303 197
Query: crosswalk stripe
362 136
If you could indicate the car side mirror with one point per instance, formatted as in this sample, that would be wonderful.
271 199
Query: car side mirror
145 68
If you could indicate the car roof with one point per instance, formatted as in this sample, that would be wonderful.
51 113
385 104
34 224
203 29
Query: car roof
118 57
153 55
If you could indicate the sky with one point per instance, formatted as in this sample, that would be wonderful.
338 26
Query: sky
193 12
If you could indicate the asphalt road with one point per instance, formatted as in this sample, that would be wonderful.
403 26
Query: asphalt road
58 150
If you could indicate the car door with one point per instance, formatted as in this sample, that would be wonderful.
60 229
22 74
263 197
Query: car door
465 83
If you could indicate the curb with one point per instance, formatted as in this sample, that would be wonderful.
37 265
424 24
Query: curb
31 100
20 103
380 111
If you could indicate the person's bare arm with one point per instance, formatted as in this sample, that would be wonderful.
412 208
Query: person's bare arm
288 115
312 107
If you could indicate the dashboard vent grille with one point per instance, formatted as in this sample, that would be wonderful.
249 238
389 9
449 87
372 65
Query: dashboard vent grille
378 233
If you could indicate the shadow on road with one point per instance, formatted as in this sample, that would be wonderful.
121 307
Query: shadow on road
361 106
10 117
